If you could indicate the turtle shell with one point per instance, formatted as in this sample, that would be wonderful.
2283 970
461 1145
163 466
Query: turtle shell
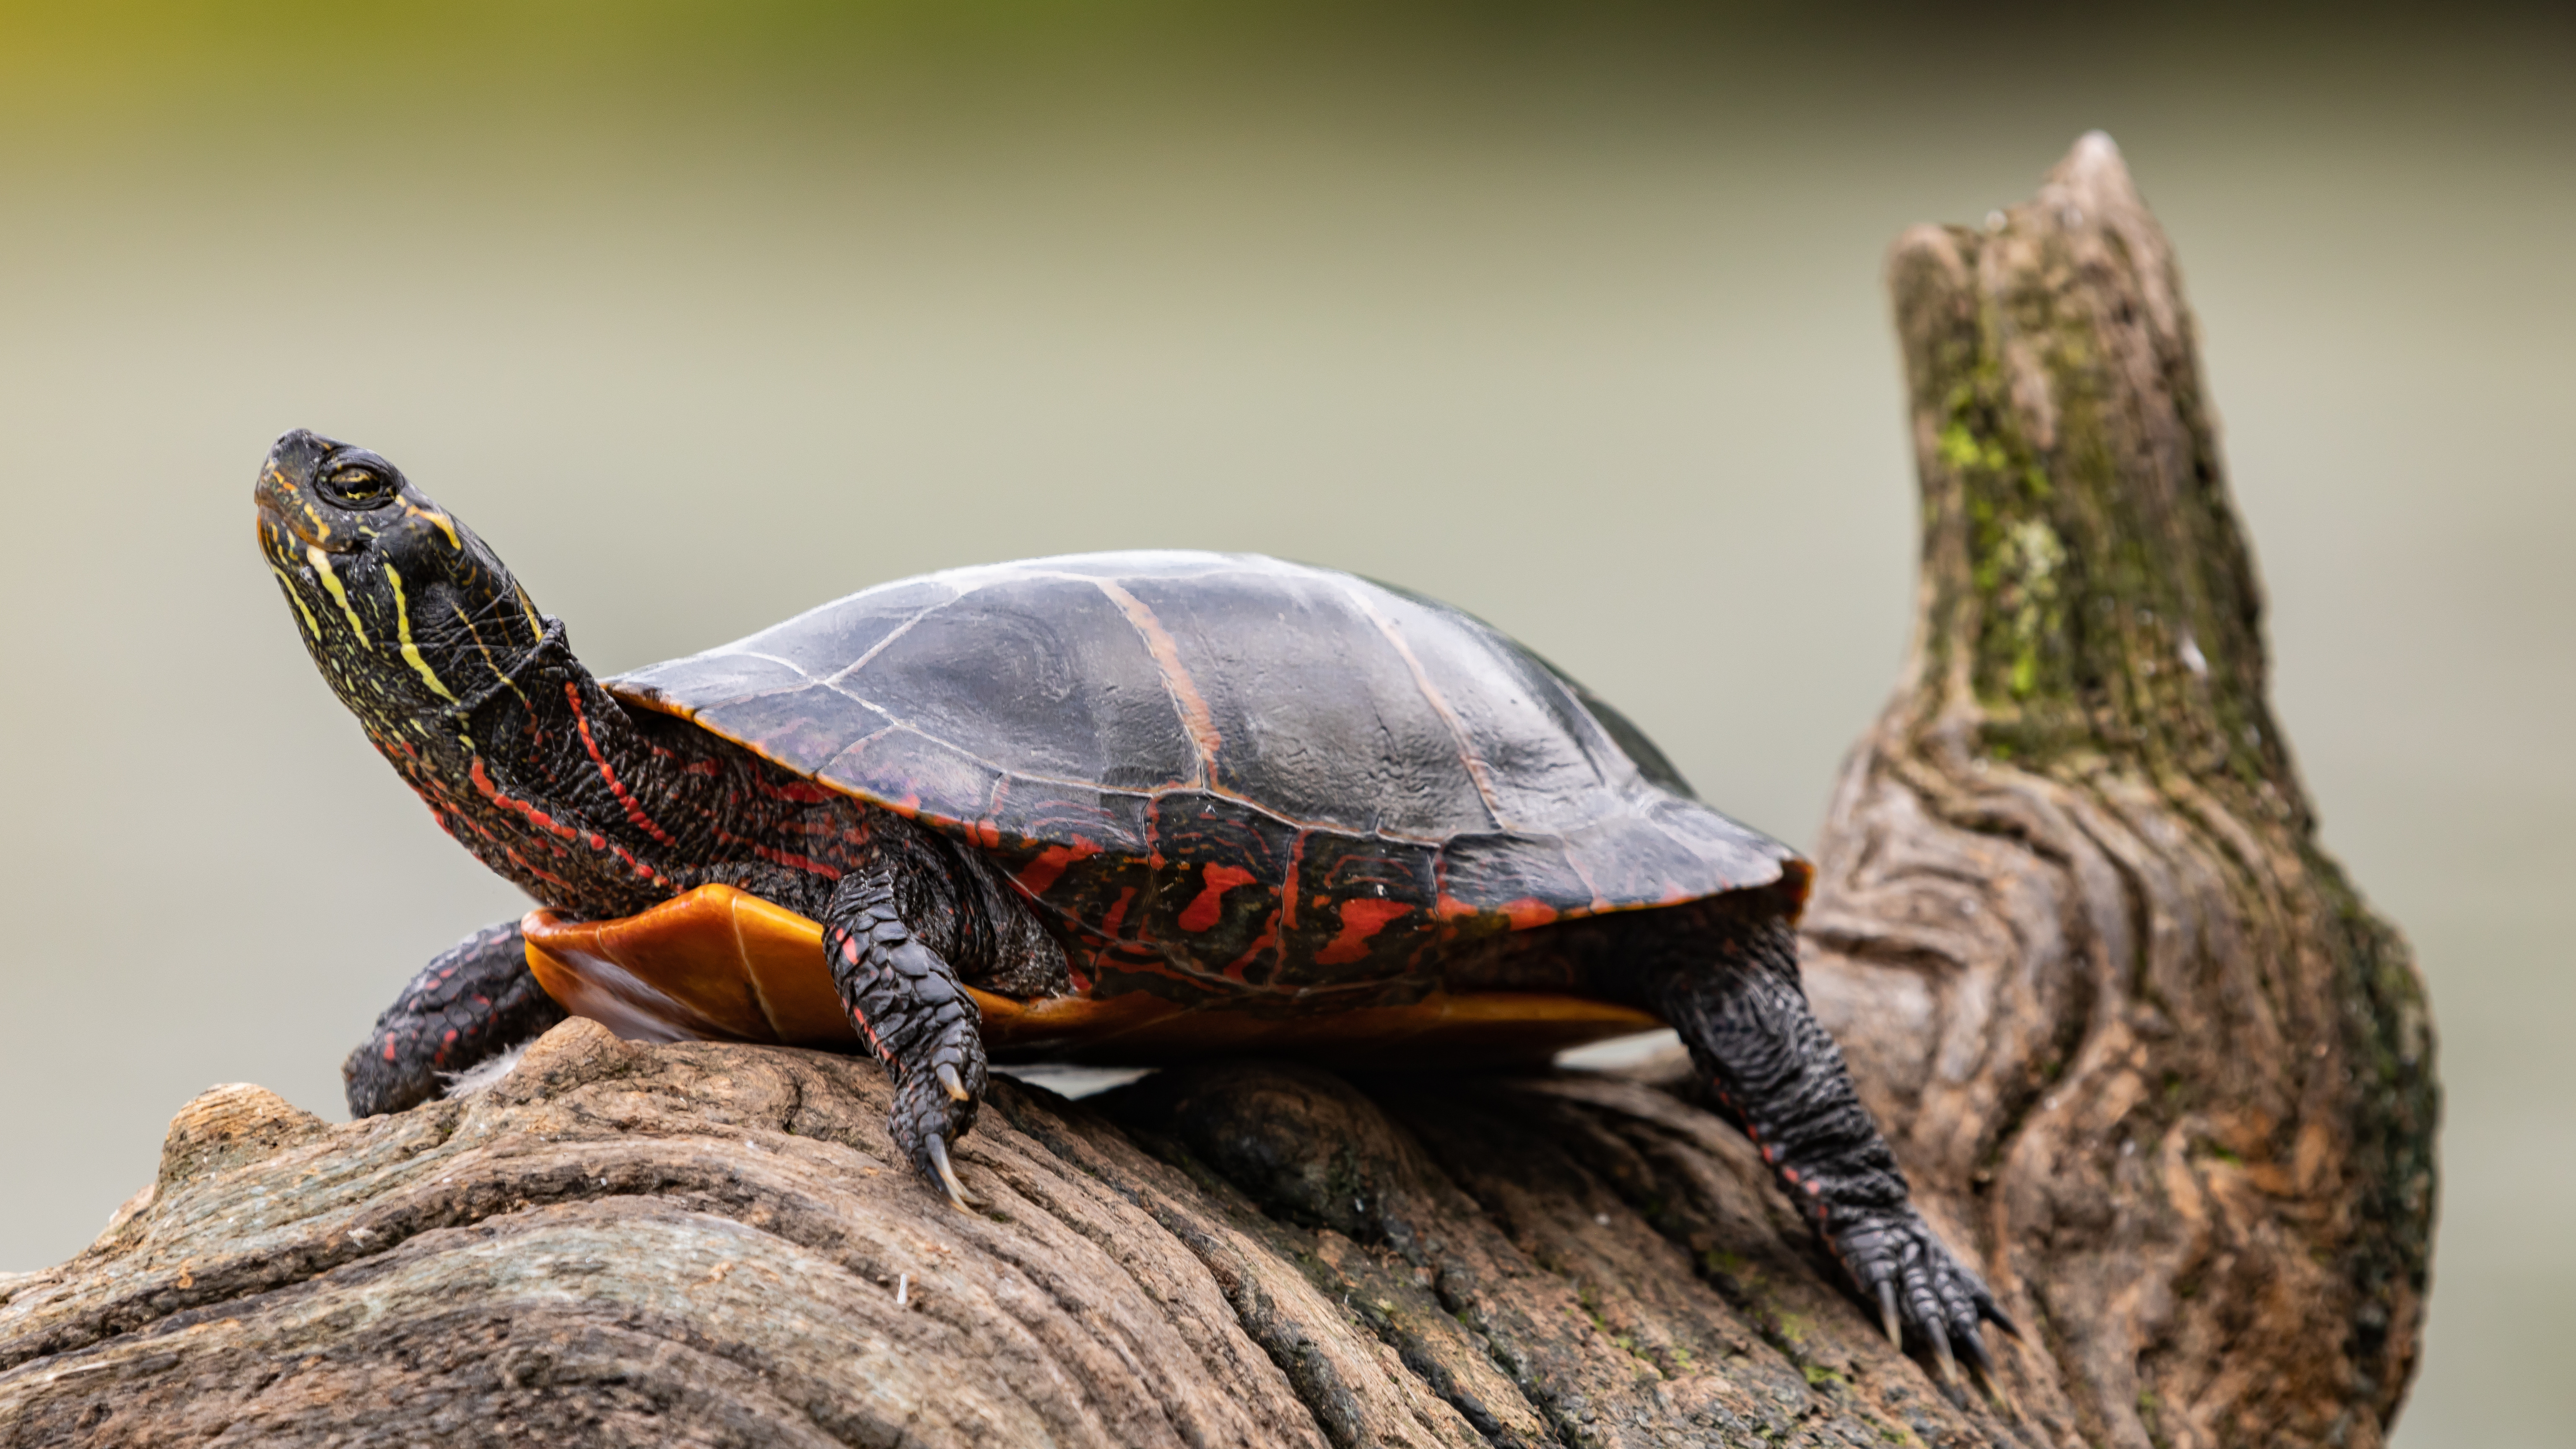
1223 775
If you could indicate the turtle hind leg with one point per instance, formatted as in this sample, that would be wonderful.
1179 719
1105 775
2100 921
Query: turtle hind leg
909 1006
474 1001
1779 1077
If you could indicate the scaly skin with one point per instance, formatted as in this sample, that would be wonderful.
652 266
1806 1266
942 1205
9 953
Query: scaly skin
915 1016
474 999
1781 1079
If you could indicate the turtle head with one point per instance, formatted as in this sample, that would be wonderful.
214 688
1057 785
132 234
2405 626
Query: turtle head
404 609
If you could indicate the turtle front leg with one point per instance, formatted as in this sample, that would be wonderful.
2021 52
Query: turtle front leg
1782 1079
913 1012
473 1001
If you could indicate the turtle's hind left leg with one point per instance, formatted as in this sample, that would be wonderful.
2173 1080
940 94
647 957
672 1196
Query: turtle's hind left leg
1737 1003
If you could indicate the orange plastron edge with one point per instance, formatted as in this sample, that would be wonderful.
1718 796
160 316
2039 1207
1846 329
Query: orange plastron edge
718 964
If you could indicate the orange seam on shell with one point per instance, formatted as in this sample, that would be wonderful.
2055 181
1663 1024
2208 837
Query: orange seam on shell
1439 704
1195 716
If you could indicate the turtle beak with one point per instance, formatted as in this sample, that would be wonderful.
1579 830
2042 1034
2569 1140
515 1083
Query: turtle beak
288 521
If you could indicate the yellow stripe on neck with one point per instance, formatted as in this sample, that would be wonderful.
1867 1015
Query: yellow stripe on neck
411 651
322 564
312 625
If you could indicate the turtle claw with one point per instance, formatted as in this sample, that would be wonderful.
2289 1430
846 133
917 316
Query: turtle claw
1987 1309
1895 1259
936 1149
935 1103
1972 1347
1949 1370
929 1113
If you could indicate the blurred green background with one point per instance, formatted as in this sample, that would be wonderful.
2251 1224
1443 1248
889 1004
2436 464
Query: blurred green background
703 313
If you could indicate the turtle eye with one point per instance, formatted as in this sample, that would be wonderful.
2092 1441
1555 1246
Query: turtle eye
359 483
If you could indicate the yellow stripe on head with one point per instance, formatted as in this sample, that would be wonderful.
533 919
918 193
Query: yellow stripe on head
445 524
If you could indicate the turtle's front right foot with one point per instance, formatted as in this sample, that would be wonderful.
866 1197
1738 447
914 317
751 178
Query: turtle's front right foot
909 1006
935 1104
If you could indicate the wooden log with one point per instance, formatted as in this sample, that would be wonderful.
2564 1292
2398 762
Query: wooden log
2130 1025
2139 1045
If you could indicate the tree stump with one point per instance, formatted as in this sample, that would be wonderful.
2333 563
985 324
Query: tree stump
2128 1023
2142 1049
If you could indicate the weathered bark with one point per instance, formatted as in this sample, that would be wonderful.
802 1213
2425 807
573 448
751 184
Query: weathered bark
2141 1048
2132 1027
707 1244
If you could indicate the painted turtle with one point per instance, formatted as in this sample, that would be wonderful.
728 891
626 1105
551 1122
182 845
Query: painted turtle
1138 805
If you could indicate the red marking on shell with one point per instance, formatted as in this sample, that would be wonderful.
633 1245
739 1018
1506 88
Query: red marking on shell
1361 919
1038 874
1450 908
1209 907
1266 943
1528 911
986 834
1117 914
